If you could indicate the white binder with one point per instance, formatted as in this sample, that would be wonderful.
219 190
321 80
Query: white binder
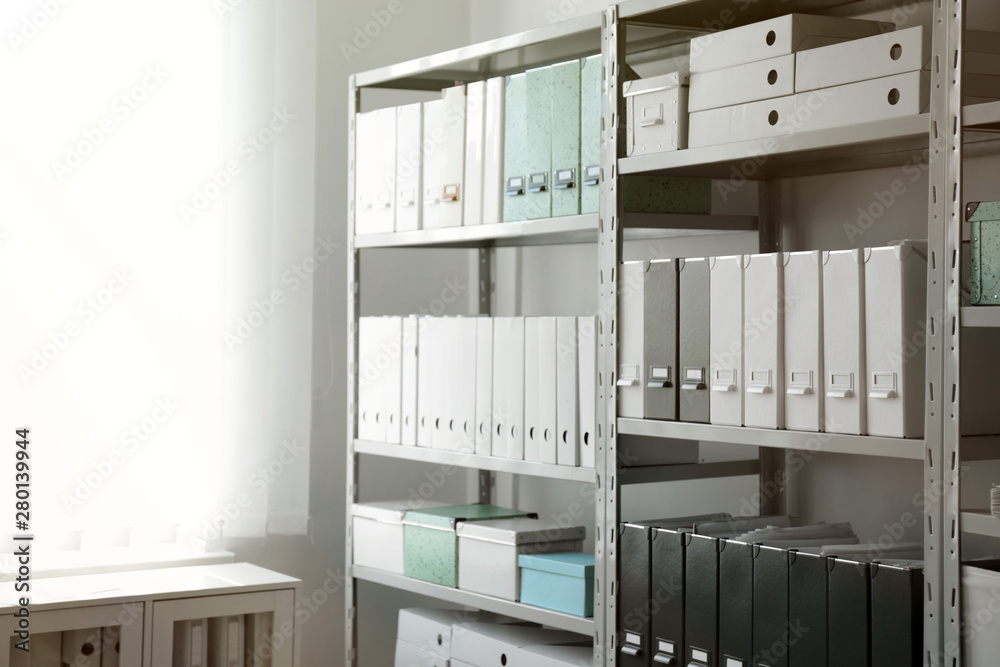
227 641
452 156
631 347
844 342
763 335
426 374
462 425
726 377
409 163
431 180
366 164
895 337
493 149
370 425
761 80
567 392
81 648
508 387
391 385
475 144
868 58
191 643
540 389
443 387
804 398
484 386
408 381
586 331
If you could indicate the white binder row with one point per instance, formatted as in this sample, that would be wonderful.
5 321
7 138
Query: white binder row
811 341
226 641
433 164
511 387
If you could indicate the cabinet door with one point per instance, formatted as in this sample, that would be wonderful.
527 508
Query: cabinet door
250 629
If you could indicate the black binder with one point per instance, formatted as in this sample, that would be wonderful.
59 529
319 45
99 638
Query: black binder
701 601
807 609
667 597
633 595
849 620
770 607
736 596
897 615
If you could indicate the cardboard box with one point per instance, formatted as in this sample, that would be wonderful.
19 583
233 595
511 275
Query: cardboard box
761 80
858 60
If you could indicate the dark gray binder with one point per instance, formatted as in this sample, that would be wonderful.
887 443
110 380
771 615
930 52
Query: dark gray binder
807 609
897 615
660 327
849 622
633 596
736 596
701 601
667 597
693 340
770 607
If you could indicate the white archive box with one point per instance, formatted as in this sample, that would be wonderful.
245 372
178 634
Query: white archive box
379 378
408 655
462 379
408 381
742 122
750 82
844 342
586 332
895 335
631 347
540 389
726 377
482 644
484 386
431 171
409 163
981 626
375 171
488 551
776 37
377 532
508 387
475 144
804 341
872 57
493 150
764 345
567 392
430 630
554 656
656 113
452 156
862 102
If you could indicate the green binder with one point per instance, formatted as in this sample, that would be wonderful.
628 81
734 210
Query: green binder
566 138
514 148
591 96
538 145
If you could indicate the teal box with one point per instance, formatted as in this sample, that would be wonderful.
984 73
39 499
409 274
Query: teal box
430 544
538 202
560 582
591 97
515 156
566 139
984 219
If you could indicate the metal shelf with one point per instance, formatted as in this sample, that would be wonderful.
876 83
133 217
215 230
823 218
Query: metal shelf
863 146
983 116
479 462
555 619
691 14
896 448
680 473
981 316
980 522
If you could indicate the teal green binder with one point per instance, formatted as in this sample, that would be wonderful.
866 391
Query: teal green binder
514 148
591 95
538 147
566 138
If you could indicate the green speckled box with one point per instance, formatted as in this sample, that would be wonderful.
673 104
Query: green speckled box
538 201
591 95
985 266
515 172
430 544
566 139
652 194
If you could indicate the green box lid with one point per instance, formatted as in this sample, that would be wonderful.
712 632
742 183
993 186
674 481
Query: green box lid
447 517
571 564
986 211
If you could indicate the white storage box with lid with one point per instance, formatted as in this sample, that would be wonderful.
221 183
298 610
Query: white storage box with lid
656 113
492 645
378 532
488 551
980 623
554 656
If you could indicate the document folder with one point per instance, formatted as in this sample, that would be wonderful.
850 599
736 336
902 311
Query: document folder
660 322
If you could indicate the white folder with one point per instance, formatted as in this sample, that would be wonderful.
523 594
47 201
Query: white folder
586 331
567 392
259 634
868 58
493 149
763 335
431 172
761 80
475 145
540 389
484 386
366 177
443 391
426 375
370 427
227 641
895 337
391 385
191 643
508 387
452 156
408 381
726 378
779 36
81 648
844 342
409 163
804 341
383 217
463 422
631 348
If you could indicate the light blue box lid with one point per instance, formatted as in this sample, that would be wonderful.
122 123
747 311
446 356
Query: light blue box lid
570 564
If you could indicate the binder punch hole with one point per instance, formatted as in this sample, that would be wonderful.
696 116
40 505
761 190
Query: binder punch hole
894 96
772 77
841 385
773 117
896 51
883 386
